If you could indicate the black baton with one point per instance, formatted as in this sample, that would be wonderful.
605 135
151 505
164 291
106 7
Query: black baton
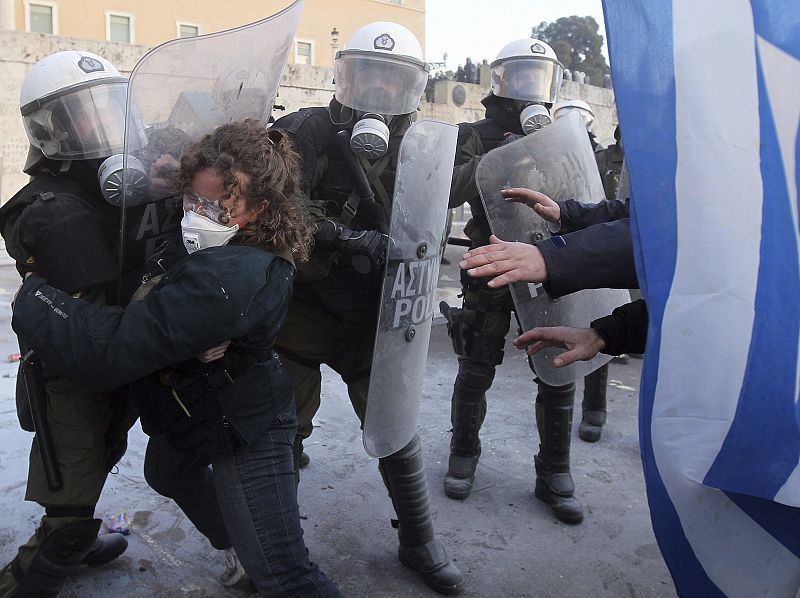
31 370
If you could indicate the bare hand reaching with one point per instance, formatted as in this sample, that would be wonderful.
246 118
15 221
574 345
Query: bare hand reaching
582 344
507 261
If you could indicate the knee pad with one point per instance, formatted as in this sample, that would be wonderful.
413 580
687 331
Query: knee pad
474 376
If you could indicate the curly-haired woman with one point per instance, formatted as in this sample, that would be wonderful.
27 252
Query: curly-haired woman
232 406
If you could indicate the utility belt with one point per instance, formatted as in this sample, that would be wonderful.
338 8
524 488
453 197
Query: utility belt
466 326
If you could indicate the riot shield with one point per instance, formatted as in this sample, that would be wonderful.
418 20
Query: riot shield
558 161
624 188
178 92
416 241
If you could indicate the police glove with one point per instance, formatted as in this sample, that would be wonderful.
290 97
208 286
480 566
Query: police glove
369 244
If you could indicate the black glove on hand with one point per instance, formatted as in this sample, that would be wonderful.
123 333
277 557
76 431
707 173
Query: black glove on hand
368 243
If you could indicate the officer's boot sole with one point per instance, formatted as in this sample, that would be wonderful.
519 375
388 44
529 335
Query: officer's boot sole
589 432
304 460
566 508
105 549
460 476
430 561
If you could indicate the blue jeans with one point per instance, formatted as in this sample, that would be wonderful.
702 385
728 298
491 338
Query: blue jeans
258 497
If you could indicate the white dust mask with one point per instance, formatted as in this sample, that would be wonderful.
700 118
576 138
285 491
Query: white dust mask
200 232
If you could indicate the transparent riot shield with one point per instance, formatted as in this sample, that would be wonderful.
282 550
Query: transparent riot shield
558 161
624 188
416 240
178 92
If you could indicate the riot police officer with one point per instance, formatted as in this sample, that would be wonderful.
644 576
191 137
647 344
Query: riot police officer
526 77
350 150
73 109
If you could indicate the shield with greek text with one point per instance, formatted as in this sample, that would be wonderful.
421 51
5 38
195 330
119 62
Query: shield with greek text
558 161
416 240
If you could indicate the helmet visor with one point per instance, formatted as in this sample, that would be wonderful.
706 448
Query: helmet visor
525 79
382 84
82 124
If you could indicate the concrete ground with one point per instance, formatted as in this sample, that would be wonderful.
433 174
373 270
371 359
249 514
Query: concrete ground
505 541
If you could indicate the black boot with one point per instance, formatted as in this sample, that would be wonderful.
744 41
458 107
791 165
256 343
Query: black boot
467 413
301 459
554 483
105 549
60 554
404 476
594 405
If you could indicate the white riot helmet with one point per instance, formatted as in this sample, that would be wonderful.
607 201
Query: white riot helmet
528 70
381 71
381 74
73 106
578 106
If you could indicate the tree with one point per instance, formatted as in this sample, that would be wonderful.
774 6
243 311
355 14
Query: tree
577 43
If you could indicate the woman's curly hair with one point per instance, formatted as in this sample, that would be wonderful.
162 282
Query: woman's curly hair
273 172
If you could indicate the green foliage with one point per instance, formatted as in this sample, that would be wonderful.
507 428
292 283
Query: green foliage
577 43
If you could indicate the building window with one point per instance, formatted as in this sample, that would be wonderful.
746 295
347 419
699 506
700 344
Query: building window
119 28
304 53
41 17
188 30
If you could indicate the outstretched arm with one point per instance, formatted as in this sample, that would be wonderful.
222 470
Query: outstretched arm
106 347
624 331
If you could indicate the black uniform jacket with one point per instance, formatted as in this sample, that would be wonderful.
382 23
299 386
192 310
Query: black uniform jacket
475 140
233 292
625 330
60 226
593 249
329 280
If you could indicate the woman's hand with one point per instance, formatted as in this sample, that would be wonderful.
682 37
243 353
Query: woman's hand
214 353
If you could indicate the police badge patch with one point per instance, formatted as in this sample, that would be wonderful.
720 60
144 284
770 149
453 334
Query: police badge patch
384 42
537 49
90 65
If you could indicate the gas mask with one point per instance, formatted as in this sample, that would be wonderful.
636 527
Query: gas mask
370 137
200 232
533 117
110 175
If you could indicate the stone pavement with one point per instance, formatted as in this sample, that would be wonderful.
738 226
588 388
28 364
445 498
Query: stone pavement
505 541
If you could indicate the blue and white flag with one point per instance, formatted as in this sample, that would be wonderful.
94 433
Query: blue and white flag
708 94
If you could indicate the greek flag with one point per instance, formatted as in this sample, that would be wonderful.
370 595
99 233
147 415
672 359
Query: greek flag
708 94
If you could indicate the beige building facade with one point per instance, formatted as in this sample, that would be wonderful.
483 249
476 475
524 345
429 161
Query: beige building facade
324 26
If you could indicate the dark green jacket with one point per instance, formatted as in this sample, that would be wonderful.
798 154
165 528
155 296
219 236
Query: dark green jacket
221 293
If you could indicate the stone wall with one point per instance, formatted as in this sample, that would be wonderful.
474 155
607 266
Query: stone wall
301 86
